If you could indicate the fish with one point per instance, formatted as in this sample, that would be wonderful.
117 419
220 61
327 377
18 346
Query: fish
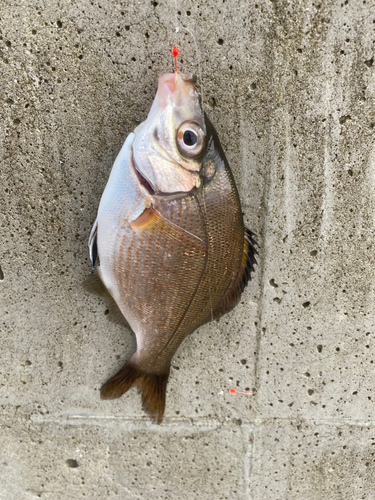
169 249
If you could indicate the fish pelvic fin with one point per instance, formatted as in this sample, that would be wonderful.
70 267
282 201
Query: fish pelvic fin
93 284
151 386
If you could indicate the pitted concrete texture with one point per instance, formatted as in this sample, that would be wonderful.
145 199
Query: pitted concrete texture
290 88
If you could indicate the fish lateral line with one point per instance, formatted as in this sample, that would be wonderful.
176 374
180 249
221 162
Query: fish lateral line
147 216
197 286
181 228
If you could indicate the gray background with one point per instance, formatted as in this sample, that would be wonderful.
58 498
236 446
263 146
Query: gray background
290 88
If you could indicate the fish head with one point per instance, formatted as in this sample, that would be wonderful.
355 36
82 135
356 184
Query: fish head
169 145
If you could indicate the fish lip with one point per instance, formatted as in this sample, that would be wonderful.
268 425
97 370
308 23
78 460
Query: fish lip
186 77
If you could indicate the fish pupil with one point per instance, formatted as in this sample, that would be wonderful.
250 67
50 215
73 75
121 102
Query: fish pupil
190 138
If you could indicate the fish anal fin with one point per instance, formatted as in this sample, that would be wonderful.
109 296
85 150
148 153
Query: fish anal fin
95 285
151 386
234 292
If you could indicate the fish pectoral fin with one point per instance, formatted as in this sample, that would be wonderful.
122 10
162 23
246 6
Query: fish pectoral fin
95 285
152 218
234 292
151 386
93 246
145 219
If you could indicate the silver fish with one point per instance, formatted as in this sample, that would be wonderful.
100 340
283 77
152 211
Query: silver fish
169 235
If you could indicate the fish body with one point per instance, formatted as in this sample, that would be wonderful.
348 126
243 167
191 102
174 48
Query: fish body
173 249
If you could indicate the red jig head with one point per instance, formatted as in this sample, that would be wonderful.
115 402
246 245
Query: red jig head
175 54
235 391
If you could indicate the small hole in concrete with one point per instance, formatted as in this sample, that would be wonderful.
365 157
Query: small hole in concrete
127 28
306 304
310 392
59 24
343 119
253 86
1 274
33 32
272 283
8 43
243 361
320 348
188 13
71 463
220 41
313 253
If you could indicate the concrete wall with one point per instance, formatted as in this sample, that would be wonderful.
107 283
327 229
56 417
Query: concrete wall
290 88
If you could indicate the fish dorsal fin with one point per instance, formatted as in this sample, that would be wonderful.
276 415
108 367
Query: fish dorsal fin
95 285
233 294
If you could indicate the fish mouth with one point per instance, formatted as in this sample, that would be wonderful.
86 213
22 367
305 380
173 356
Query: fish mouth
176 88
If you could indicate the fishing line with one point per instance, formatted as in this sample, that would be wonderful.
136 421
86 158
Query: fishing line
198 58
199 72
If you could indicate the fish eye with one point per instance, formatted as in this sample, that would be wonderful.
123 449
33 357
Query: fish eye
190 139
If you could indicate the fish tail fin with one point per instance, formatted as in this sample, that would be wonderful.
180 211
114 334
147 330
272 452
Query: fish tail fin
150 385
153 389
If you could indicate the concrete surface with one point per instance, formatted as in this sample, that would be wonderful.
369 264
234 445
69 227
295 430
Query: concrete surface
290 88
